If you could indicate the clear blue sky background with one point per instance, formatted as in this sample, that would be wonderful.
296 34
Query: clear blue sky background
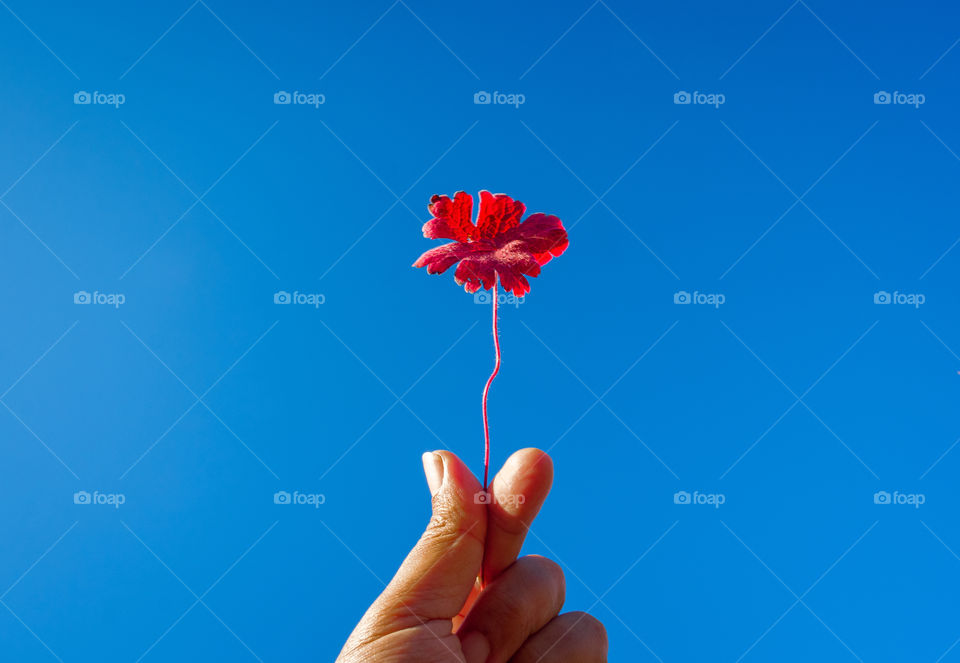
198 398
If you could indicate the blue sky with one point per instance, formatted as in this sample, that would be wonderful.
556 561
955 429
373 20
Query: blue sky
764 473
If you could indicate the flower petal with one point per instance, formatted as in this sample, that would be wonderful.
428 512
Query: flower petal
512 263
498 214
440 259
499 246
479 270
541 235
451 218
513 281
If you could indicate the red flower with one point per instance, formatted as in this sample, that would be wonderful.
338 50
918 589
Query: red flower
498 245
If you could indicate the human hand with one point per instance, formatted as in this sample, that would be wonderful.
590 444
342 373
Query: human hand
435 610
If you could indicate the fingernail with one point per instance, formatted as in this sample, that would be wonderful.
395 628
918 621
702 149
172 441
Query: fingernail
475 647
433 468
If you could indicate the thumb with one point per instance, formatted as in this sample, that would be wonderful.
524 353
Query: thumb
435 579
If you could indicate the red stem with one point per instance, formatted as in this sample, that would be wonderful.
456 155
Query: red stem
486 389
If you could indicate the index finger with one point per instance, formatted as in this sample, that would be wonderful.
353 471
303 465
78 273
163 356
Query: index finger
516 495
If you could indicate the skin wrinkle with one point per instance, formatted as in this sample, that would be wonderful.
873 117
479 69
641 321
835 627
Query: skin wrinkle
434 597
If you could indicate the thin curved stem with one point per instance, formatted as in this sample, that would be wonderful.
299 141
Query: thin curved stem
486 390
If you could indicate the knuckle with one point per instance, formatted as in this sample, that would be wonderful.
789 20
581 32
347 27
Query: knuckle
506 520
447 523
553 572
445 518
592 629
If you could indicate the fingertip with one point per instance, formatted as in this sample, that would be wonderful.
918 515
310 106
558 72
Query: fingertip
538 460
475 647
460 491
433 469
528 471
457 472
531 460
